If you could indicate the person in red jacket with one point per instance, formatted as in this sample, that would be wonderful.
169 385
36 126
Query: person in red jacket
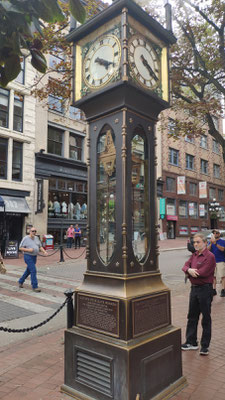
200 271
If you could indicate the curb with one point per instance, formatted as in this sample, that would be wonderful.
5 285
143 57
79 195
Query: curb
173 249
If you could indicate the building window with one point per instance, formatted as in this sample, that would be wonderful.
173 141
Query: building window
189 139
76 113
204 142
183 230
17 163
67 199
204 167
76 144
3 158
21 77
56 103
18 113
189 161
171 207
182 209
216 147
193 189
220 195
171 127
4 107
173 156
55 141
193 210
170 184
203 211
216 171
212 193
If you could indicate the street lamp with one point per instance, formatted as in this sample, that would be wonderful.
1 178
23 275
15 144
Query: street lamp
214 210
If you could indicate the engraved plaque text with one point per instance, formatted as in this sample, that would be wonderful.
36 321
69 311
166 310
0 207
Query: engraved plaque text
98 313
150 313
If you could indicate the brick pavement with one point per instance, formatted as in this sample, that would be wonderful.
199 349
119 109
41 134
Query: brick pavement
34 369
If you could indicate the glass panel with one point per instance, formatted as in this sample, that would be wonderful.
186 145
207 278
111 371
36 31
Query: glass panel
106 195
140 198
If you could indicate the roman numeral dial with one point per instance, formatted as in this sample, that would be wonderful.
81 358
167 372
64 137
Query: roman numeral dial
144 62
102 61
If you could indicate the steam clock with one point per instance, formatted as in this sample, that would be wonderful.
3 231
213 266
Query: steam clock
122 345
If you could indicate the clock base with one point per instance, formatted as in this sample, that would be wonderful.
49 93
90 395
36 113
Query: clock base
102 368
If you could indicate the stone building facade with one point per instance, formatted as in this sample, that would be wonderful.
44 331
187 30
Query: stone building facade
17 161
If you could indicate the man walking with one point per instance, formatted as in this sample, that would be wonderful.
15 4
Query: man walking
217 247
30 246
200 270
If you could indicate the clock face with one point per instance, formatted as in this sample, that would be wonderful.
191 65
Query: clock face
144 62
102 61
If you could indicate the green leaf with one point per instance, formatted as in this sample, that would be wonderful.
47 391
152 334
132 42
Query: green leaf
38 61
43 12
37 25
77 10
12 67
3 80
56 12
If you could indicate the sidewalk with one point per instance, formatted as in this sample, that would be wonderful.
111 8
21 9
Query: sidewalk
34 370
74 254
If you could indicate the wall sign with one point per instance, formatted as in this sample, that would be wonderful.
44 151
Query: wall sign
39 196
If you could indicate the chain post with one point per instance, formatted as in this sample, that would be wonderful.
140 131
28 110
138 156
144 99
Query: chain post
70 310
61 253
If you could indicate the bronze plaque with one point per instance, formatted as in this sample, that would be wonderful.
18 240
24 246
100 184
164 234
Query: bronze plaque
150 313
98 313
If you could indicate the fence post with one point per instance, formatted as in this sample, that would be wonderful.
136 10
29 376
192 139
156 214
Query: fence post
61 253
70 311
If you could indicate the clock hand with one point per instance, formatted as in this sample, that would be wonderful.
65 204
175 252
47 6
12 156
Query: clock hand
103 62
149 68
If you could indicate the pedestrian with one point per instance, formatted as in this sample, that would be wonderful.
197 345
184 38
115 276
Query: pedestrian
69 236
200 271
31 245
77 233
217 247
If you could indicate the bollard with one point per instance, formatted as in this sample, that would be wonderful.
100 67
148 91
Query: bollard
61 253
70 315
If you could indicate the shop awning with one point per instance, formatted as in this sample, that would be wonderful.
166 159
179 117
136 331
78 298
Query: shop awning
14 205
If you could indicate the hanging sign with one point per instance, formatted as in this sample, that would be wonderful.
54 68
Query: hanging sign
202 190
181 185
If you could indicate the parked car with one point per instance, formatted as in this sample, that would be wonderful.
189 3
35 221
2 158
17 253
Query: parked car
207 233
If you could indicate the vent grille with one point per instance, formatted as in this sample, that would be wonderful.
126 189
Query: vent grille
94 371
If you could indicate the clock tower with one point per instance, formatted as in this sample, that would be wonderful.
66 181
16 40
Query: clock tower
122 345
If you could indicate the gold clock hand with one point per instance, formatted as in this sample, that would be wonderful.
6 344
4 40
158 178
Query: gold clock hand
149 68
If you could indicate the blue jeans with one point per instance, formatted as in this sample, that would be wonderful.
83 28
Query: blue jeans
69 242
30 270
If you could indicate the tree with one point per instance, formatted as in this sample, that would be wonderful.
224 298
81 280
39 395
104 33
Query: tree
19 20
60 71
198 66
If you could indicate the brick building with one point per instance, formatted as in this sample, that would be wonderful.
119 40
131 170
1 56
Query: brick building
191 171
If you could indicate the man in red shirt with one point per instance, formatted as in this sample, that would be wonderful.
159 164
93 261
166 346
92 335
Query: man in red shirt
200 271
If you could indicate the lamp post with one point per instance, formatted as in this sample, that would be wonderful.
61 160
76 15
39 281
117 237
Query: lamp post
214 212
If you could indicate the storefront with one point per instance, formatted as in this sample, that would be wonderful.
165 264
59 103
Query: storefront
13 211
66 200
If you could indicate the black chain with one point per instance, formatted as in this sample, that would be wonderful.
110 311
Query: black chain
23 330
73 258
49 255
